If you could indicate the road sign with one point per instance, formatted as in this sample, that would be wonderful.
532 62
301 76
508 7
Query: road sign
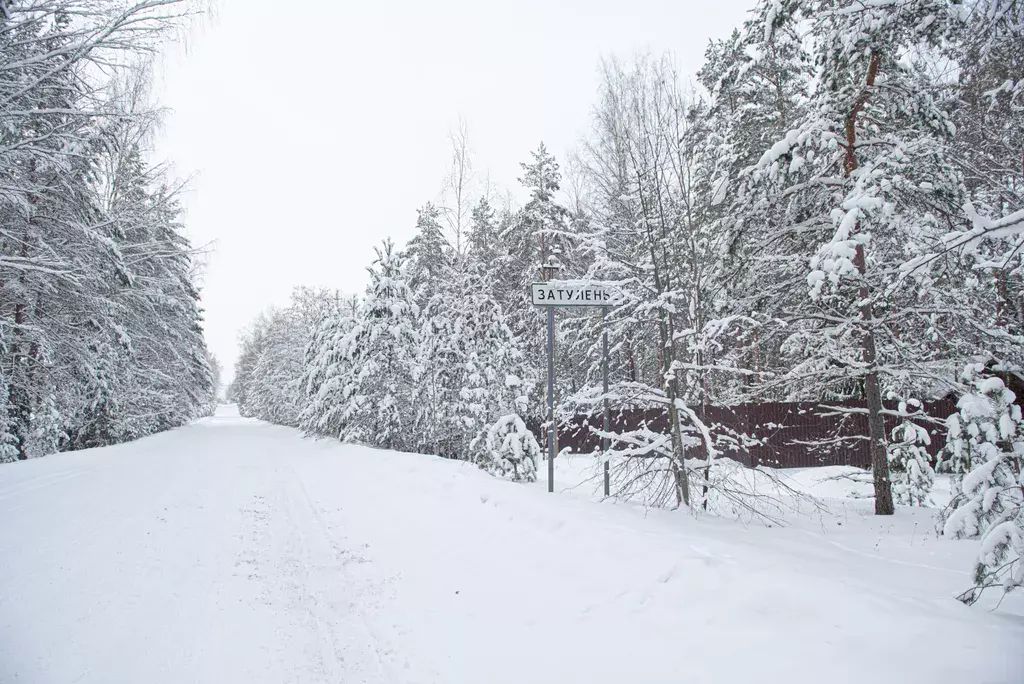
571 293
555 293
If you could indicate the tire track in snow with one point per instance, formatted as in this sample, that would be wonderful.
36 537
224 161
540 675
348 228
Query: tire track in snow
343 621
41 482
298 562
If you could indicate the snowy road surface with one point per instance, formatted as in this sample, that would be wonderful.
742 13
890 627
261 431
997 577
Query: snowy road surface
235 551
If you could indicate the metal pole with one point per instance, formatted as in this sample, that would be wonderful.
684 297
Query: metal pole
607 410
551 399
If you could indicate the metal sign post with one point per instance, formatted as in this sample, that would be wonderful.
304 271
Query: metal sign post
607 410
552 293
550 267
551 399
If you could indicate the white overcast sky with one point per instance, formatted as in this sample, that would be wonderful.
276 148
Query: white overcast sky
317 128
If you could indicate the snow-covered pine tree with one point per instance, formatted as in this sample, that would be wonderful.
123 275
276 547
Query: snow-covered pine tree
988 502
988 109
865 172
440 371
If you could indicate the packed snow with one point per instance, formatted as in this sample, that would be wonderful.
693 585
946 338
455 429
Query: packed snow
232 550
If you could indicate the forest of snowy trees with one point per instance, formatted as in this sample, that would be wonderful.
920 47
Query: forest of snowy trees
101 330
833 212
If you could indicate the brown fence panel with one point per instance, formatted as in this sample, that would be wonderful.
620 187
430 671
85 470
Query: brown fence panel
787 434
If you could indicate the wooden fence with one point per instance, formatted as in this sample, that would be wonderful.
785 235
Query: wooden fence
789 435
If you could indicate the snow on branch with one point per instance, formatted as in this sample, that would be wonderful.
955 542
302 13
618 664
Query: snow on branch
984 228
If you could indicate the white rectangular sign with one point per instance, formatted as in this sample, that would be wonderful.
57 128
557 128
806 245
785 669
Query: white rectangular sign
569 293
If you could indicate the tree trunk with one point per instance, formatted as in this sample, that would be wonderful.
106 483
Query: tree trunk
627 350
876 427
869 353
682 482
670 383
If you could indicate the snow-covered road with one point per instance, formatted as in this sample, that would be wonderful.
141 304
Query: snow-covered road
235 551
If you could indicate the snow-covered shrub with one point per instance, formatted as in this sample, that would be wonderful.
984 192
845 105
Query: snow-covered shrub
508 449
47 428
8 440
909 463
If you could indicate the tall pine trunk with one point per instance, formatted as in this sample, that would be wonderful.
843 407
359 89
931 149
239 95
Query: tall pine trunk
869 352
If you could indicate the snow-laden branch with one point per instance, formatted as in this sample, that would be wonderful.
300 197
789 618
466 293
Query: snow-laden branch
983 228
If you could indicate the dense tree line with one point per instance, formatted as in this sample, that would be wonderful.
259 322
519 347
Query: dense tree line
835 212
101 331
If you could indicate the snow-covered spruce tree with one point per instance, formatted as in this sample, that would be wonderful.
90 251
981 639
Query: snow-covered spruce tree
483 245
471 375
250 348
470 369
543 228
986 440
48 428
325 369
436 277
99 420
217 374
909 463
428 253
494 399
377 360
274 393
